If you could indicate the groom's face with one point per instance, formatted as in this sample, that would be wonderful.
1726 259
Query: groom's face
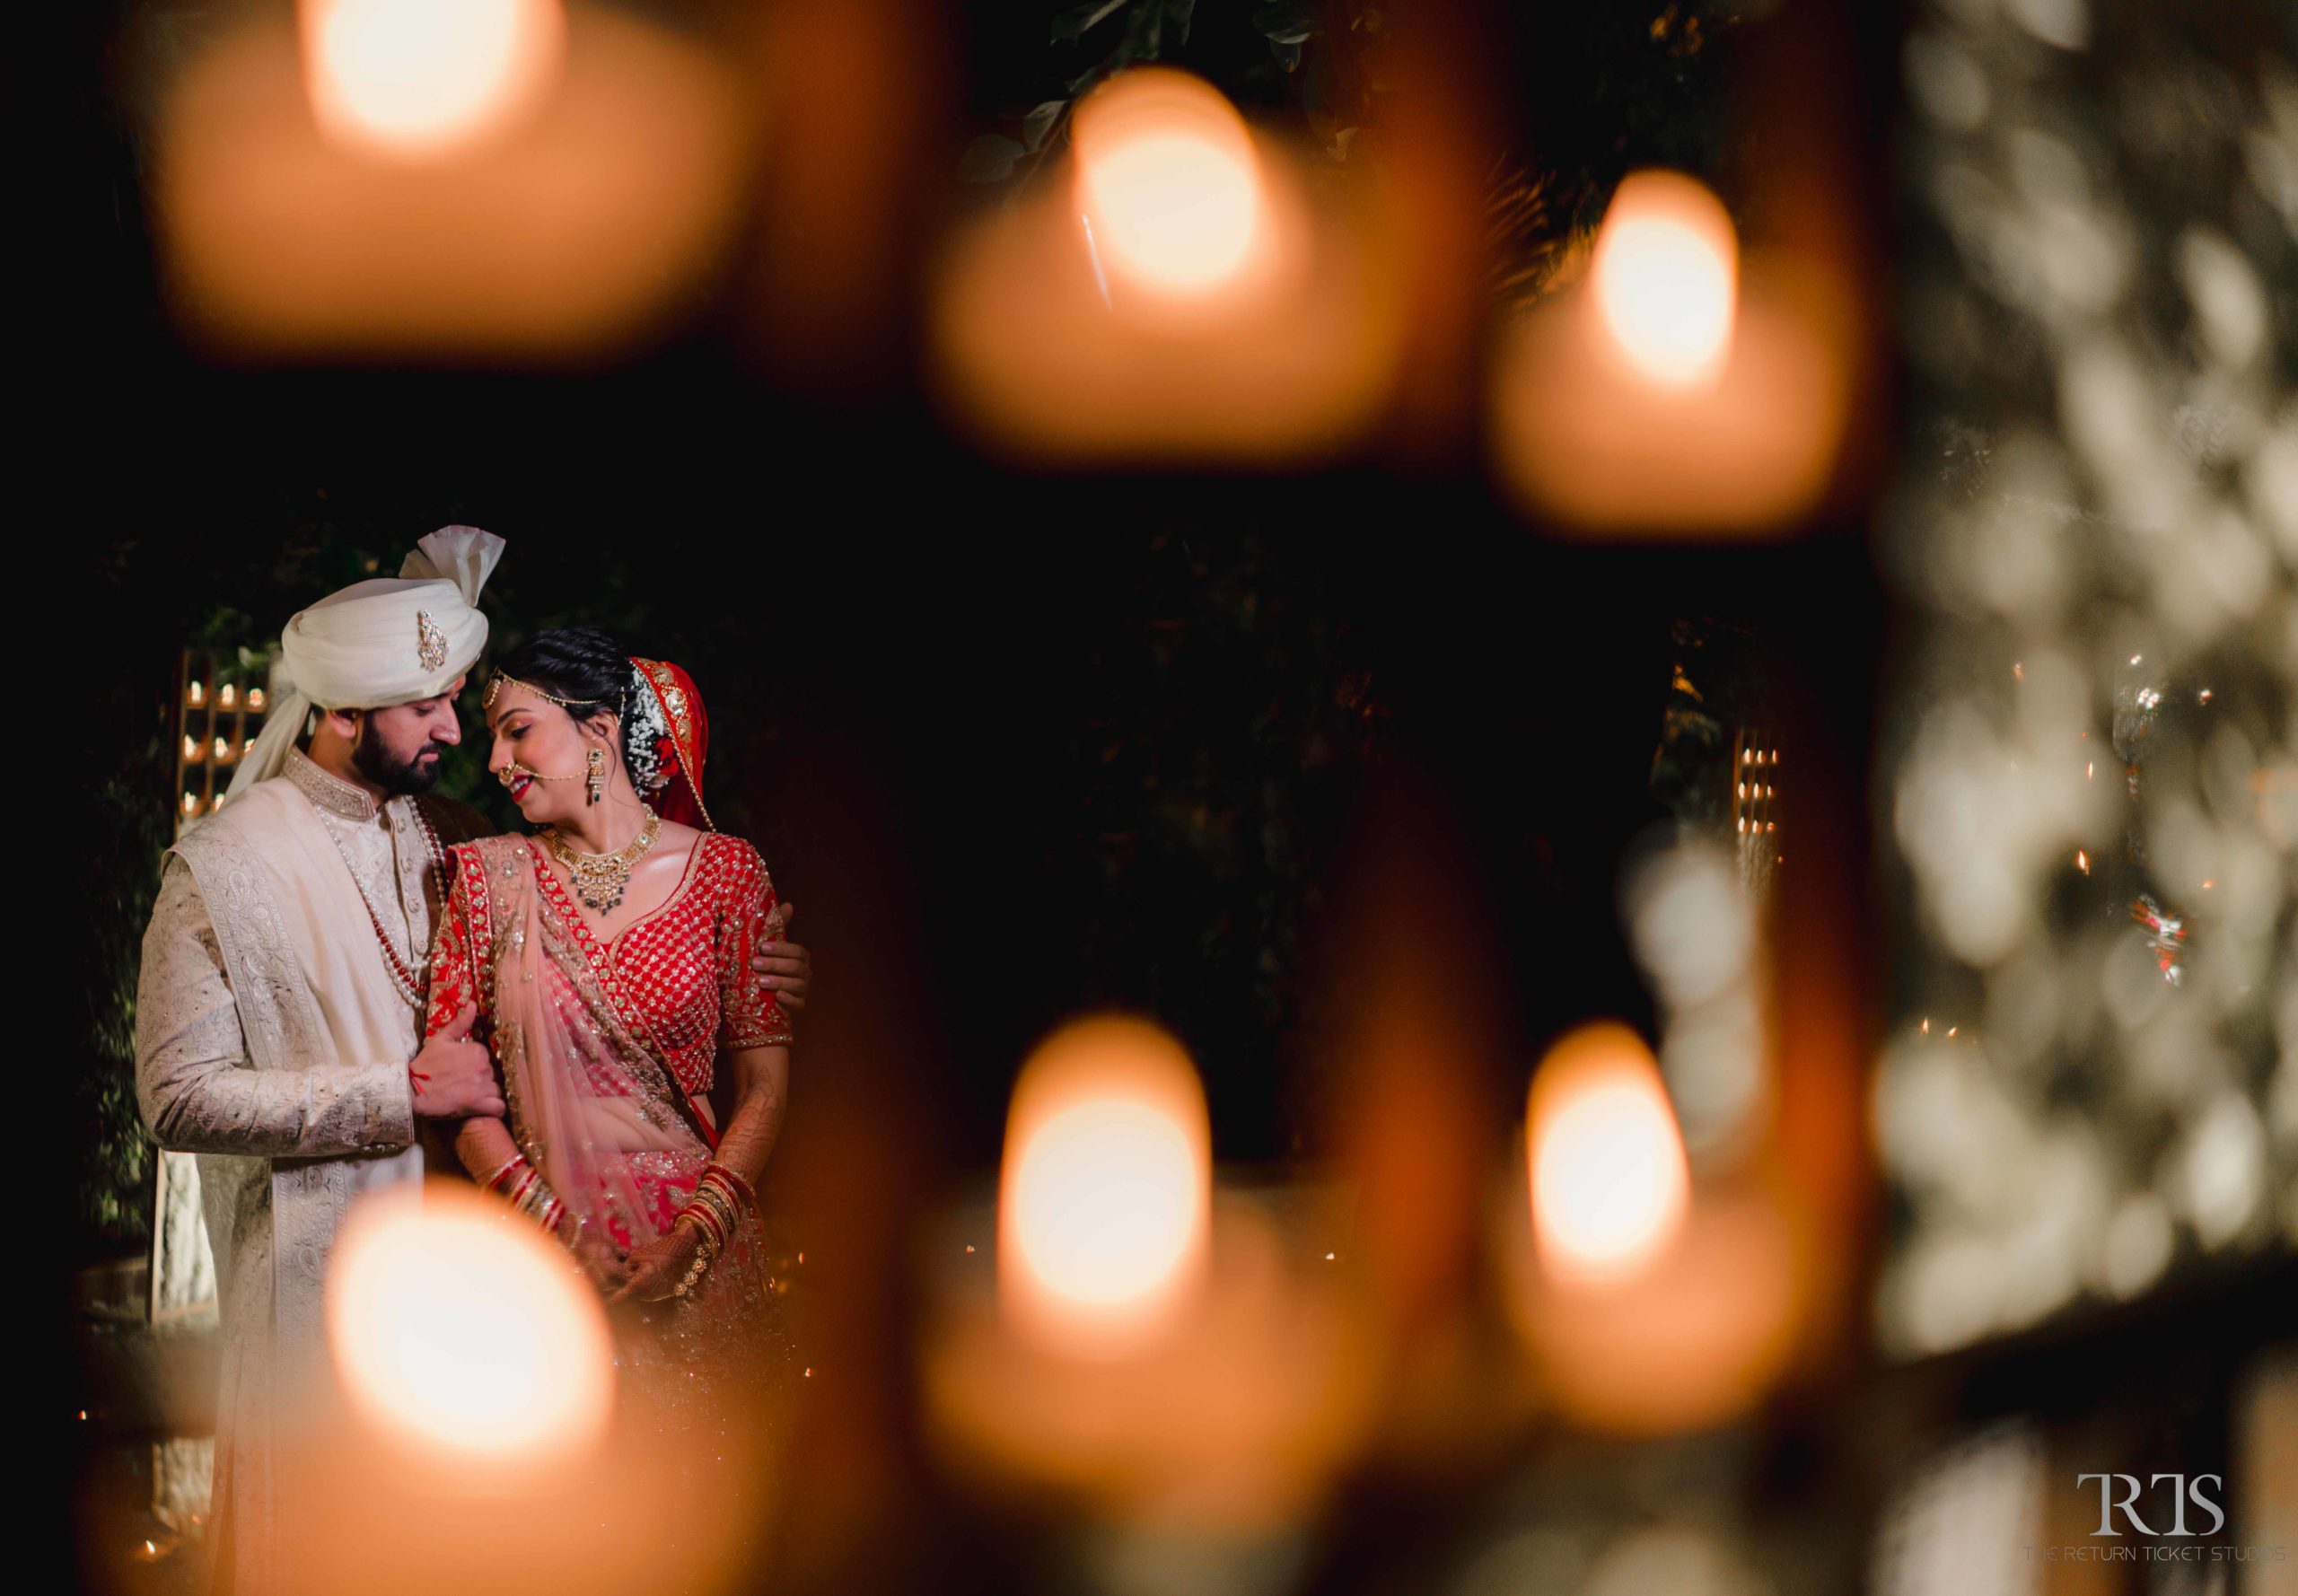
401 748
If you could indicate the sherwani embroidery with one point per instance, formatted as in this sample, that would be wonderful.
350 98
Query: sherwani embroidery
272 1042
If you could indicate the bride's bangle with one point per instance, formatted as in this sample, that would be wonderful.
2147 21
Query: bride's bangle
702 1253
710 1207
738 1191
708 1224
519 1184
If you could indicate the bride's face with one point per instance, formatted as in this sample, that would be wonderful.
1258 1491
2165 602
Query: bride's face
543 754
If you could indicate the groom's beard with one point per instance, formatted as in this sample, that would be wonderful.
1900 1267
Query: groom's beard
418 773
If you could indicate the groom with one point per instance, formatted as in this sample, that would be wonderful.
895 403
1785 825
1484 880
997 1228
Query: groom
279 1015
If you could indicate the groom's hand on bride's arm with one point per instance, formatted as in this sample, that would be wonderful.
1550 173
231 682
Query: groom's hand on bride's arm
786 967
453 1076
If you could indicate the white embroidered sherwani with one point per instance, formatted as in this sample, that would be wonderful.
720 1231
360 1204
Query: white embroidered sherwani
272 1039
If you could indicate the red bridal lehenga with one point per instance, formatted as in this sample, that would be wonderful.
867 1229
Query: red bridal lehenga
608 1050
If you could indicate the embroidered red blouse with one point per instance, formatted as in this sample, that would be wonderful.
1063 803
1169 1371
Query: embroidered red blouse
680 977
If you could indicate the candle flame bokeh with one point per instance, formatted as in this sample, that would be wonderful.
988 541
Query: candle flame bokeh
1682 385
1168 185
1609 1182
1666 278
1105 1202
417 79
1185 289
569 219
463 1332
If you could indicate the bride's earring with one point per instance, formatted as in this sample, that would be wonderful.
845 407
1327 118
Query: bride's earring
595 782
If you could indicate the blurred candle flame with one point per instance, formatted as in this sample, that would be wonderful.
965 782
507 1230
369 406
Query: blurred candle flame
420 78
483 1424
1666 278
1232 1419
1181 289
461 1329
1650 1308
562 203
1609 1182
1677 387
1105 1200
1168 183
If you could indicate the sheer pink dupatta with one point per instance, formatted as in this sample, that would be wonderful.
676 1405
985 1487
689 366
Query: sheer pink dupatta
590 1106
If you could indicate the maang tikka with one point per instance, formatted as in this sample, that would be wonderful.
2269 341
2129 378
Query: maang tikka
595 782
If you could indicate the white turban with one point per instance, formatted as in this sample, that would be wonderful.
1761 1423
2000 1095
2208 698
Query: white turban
385 641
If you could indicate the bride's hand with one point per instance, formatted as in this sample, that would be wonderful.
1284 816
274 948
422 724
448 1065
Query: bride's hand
602 1261
656 1268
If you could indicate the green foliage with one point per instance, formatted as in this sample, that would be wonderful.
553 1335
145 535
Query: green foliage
112 1198
1152 31
989 158
1072 24
1288 26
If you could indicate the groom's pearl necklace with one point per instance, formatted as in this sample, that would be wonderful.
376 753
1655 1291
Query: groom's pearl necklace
412 977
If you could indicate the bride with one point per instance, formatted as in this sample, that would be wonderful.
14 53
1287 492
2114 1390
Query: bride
607 960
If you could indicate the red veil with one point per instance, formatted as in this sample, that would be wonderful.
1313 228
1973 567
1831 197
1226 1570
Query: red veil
683 751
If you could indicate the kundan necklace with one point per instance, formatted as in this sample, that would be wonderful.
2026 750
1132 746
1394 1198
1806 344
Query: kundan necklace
601 878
